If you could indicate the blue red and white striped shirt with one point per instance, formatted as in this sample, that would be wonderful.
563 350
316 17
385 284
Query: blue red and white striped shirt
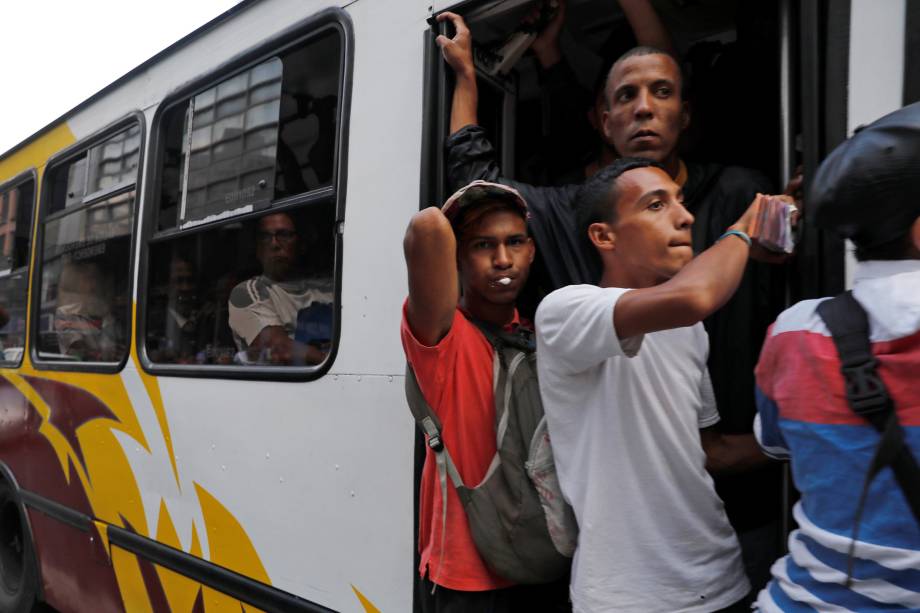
803 415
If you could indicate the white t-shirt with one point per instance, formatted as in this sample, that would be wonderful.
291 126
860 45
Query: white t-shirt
624 418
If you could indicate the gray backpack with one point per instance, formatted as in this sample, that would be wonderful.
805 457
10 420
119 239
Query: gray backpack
521 525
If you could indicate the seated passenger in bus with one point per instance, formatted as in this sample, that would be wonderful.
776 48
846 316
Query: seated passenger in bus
179 326
281 316
471 260
84 323
629 402
645 114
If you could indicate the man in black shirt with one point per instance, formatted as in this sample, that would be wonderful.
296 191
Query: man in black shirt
644 116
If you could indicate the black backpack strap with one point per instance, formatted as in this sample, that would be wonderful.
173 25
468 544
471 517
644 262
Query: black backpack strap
868 397
849 327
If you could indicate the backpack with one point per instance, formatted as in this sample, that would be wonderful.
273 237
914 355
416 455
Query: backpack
868 397
522 527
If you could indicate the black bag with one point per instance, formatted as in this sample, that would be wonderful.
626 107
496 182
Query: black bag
521 525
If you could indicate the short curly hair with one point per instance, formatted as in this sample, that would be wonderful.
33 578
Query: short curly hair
597 197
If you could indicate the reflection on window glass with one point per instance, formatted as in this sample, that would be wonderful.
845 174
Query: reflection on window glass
13 288
275 123
114 162
260 292
76 182
15 236
106 166
84 299
232 146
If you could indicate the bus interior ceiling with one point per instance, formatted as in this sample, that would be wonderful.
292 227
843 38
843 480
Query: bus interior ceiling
729 52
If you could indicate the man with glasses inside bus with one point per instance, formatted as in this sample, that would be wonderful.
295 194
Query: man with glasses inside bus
644 115
282 316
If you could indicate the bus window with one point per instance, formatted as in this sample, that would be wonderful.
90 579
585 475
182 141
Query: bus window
84 297
16 204
241 267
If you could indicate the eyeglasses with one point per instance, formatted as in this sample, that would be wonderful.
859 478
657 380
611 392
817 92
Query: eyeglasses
284 237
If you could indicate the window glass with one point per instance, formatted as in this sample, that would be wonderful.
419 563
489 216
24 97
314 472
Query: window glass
84 292
75 187
309 107
16 235
249 290
105 167
259 292
233 139
114 162
258 136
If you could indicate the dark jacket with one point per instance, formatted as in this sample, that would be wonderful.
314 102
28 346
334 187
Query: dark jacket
717 196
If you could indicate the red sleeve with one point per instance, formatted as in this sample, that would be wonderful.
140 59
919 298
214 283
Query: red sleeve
432 364
765 371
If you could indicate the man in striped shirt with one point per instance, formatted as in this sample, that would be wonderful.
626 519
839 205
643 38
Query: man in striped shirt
868 191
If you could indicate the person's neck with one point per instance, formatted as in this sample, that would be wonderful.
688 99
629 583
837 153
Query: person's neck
283 276
672 165
615 275
496 314
607 157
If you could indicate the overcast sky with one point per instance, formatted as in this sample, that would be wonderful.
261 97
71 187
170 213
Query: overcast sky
57 53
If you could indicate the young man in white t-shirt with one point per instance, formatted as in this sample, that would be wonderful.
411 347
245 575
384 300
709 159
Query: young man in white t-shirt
630 406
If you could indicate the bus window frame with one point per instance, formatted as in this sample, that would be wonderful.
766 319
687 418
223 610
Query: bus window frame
54 162
333 18
17 181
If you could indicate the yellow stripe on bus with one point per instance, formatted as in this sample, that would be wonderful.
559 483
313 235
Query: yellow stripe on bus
37 152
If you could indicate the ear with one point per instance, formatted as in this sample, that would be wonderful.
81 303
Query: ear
684 115
915 234
602 236
607 136
593 119
531 251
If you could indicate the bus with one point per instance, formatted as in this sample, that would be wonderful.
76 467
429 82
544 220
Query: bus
149 459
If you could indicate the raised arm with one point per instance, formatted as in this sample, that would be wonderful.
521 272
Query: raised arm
431 258
546 45
458 53
646 25
694 293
